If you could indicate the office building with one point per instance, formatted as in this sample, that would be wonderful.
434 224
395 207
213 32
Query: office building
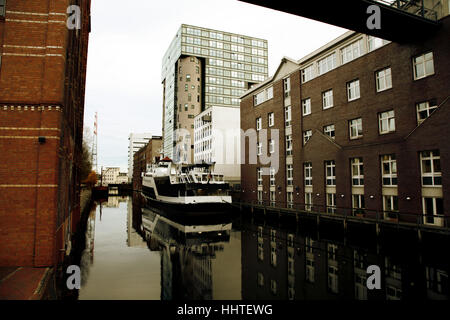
136 141
202 68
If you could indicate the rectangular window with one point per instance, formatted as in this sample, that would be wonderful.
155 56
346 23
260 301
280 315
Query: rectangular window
287 87
357 171
326 64
308 73
186 87
424 109
288 145
329 131
260 97
390 207
258 124
333 279
259 176
306 106
287 113
355 127
272 198
352 51
386 121
2 8
307 169
423 65
186 107
308 201
327 99
271 146
374 43
290 199
353 90
306 136
271 119
330 173
272 176
430 164
383 79
331 202
259 148
358 203
389 170
290 174
433 210
188 77
309 274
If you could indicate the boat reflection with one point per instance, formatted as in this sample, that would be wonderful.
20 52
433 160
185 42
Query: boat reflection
194 262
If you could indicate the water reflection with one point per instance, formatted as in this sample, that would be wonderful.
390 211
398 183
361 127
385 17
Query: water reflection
142 253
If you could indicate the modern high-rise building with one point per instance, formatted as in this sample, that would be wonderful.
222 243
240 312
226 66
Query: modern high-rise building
202 68
137 141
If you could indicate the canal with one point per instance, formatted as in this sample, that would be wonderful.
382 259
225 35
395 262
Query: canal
135 252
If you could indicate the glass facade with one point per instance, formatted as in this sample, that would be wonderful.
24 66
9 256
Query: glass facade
232 63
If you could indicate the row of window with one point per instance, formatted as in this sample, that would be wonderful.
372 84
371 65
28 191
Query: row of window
224 37
430 167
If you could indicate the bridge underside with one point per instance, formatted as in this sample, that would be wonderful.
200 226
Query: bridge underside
402 21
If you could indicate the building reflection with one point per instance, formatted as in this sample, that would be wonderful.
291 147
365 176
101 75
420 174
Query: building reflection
87 256
287 263
199 261
114 201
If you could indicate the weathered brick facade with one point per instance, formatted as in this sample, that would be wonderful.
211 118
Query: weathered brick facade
406 142
42 87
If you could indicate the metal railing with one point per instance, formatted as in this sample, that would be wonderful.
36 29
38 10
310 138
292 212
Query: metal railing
415 7
394 217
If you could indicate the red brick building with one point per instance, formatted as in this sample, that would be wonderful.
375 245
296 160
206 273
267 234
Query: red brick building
148 154
42 87
363 125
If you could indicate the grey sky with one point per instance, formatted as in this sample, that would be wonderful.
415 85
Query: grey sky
128 41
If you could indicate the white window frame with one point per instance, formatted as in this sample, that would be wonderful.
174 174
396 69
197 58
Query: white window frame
259 177
327 64
289 174
272 176
307 172
358 203
351 51
306 136
331 202
271 119
271 146
287 116
435 219
329 130
258 123
434 174
383 79
308 201
425 107
327 99
353 91
306 106
288 144
388 170
287 86
357 124
330 179
386 122
357 171
420 63
308 73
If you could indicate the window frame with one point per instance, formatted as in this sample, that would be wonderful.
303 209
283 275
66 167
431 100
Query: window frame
353 85
384 77
387 119
414 63
351 125
327 98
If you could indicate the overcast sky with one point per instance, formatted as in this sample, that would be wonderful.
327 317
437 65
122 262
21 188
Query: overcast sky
127 43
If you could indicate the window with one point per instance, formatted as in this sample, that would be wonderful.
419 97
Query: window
390 206
358 203
329 131
333 279
272 176
258 124
271 119
433 209
357 172
260 279
308 201
331 202
290 174
389 170
272 197
330 173
263 96
287 87
308 73
353 90
290 199
307 169
259 148
386 122
306 106
306 136
2 8
288 145
430 163
273 286
383 79
374 43
309 275
352 51
186 87
186 107
327 64
259 176
327 99
189 97
287 113
423 65
355 127
424 109
271 146
188 77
